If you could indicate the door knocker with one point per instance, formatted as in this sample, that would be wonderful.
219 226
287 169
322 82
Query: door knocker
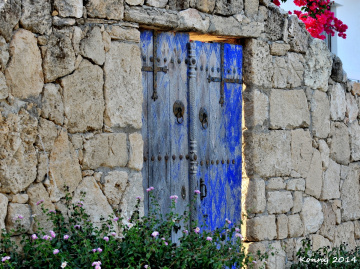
203 117
179 110
203 189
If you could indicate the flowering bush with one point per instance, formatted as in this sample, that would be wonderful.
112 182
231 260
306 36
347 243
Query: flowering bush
146 242
318 18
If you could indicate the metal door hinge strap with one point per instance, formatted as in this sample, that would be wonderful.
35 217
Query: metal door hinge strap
226 80
164 69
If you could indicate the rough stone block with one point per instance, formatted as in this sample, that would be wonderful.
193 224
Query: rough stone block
278 260
312 215
288 109
276 26
253 193
296 227
276 183
18 217
84 98
133 190
282 226
191 20
298 35
340 143
329 225
69 8
352 109
20 198
92 46
279 49
318 65
109 9
4 53
260 228
345 234
320 114
115 184
24 74
281 72
254 247
36 16
350 194
337 102
229 7
279 202
3 210
298 202
355 89
157 3
135 2
136 151
331 184
356 229
319 241
123 88
10 12
52 104
354 130
47 135
301 151
109 150
4 90
289 248
155 17
122 33
324 153
296 63
251 8
337 72
296 184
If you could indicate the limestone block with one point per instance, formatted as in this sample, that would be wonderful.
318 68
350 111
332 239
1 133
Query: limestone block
319 241
206 6
4 53
58 55
289 248
296 184
296 63
52 104
123 88
92 46
135 2
354 130
296 227
356 229
109 150
85 84
69 8
76 39
42 167
281 72
251 7
260 228
276 25
155 17
231 7
133 190
278 260
337 72
318 65
258 60
345 234
276 183
329 225
288 109
282 226
107 40
256 109
337 102
18 155
20 198
312 215
254 247
47 135
124 34
36 16
320 114
324 153
37 192
4 91
136 151
191 20
301 151
3 210
253 193
229 26
352 109
350 194
269 154
279 201
64 168
18 217
298 202
156 3
355 89
298 35
340 143
110 9
279 48
24 73
10 12
61 22
115 185
331 183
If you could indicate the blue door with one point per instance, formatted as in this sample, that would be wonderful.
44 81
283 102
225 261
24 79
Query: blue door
216 113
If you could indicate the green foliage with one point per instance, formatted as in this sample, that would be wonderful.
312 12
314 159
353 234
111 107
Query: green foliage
144 242
337 257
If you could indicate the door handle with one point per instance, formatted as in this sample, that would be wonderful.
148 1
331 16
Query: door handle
179 110
203 189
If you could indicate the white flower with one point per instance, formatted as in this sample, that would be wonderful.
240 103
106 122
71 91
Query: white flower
63 265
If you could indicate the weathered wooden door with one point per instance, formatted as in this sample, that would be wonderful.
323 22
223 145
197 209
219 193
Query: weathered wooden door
211 149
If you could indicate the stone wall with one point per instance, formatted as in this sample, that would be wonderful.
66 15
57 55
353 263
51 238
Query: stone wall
71 98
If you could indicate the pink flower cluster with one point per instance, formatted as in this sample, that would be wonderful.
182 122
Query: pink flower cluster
150 189
4 259
318 18
97 264
174 197
97 249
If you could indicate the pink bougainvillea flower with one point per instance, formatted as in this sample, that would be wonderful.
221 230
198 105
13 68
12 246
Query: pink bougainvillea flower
208 238
34 237
56 251
106 238
276 2
197 230
66 237
155 234
39 202
197 192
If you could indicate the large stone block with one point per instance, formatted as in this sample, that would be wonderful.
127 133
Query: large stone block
279 202
115 184
331 183
276 26
133 190
319 241
46 136
345 234
4 90
318 65
352 110
3 210
4 53
324 153
296 184
337 72
288 109
260 228
36 16
121 33
135 2
312 215
296 227
301 151
337 102
109 150
58 55
296 63
340 143
314 179
64 168
350 194
276 183
282 226
110 9
256 109
281 72
136 151
154 17
253 192
123 88
231 7
298 35
52 104
84 98
10 12
92 46
277 260
24 73
268 154
279 48
328 227
354 130
298 202
18 218
191 20
320 114
157 3
69 8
